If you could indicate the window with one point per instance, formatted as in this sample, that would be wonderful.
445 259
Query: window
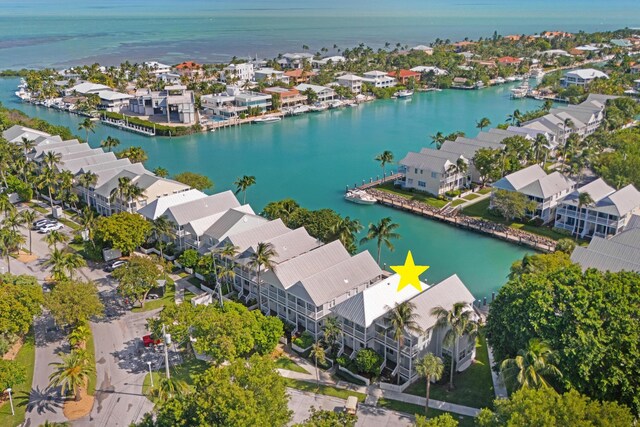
434 174
422 184
415 171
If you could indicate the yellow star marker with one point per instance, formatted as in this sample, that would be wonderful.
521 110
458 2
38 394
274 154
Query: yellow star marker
409 273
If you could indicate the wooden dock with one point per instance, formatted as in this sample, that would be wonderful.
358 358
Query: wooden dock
374 183
480 226
125 125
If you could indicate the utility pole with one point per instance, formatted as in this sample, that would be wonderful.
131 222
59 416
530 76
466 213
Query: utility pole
167 341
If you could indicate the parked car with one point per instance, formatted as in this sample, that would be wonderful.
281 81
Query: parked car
148 341
42 222
115 264
50 227
151 297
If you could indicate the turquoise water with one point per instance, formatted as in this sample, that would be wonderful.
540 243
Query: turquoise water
312 158
40 33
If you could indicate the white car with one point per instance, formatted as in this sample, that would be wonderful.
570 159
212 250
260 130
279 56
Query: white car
50 227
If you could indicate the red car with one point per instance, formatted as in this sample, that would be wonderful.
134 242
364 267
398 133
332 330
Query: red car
147 341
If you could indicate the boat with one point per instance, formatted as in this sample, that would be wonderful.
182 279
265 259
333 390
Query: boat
511 79
335 104
271 119
537 73
300 109
360 197
499 81
405 93
520 91
319 107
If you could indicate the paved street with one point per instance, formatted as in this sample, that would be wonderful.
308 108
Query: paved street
301 402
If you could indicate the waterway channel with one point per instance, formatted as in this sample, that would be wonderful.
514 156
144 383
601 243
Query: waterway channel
312 158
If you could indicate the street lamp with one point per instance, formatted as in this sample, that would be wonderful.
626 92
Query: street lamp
150 374
11 401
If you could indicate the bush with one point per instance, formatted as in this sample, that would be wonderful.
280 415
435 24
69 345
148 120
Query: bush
343 361
368 361
189 258
161 130
305 340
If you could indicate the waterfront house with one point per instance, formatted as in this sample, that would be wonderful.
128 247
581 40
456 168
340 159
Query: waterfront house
235 102
365 324
269 75
157 208
619 253
113 101
157 68
434 171
322 92
16 132
403 76
378 79
295 60
86 88
546 190
426 70
623 43
509 60
169 78
319 63
351 81
289 97
467 148
582 77
174 104
556 34
189 69
606 216
237 73
422 48
299 75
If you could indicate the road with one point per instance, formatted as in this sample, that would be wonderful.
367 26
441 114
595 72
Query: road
367 416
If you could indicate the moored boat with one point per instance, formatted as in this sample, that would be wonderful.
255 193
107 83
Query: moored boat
405 93
271 119
360 197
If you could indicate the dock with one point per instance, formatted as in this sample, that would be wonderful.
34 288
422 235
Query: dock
125 125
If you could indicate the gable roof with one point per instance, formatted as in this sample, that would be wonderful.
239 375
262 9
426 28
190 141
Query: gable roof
625 200
521 178
249 238
621 252
233 221
597 190
433 160
158 207
587 73
199 226
547 186
16 132
201 207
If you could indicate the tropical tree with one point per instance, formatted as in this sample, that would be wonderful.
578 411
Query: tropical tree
134 154
403 319
438 139
29 216
110 143
58 263
262 258
167 388
318 354
242 184
384 158
48 179
332 331
584 199
539 145
483 123
72 262
54 237
382 233
71 373
79 336
27 145
161 227
345 230
458 322
88 220
431 368
87 125
87 180
13 220
5 204
514 117
52 159
530 367
161 172
10 241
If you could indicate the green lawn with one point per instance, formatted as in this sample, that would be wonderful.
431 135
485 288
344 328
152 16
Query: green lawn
26 356
473 387
471 196
410 195
312 387
481 210
194 281
283 362
69 223
343 376
38 208
186 372
457 202
485 190
91 352
409 408
168 298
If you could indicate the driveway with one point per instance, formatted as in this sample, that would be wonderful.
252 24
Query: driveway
368 416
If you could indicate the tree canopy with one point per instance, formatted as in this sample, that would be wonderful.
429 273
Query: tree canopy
20 300
323 418
511 204
242 393
138 277
545 407
74 302
590 318
194 180
124 231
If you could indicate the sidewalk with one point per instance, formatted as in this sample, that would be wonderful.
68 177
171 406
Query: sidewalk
498 383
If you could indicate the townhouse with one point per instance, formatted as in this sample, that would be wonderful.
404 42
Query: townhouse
546 190
434 171
607 215
404 76
619 253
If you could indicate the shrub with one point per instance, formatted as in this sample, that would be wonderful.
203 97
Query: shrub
343 361
368 361
189 258
305 340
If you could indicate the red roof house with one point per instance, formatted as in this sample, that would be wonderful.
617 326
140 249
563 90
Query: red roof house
403 76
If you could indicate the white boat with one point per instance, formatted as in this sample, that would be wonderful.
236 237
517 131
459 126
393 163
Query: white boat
499 80
23 94
520 91
360 197
335 103
405 93
511 79
319 107
537 73
271 119
300 109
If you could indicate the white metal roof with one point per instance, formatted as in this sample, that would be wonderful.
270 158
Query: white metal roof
158 207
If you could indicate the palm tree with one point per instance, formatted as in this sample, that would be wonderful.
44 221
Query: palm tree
72 373
27 145
567 123
79 336
88 221
539 144
87 125
514 117
438 139
403 318
167 388
228 274
10 241
243 184
55 237
529 368
161 172
382 233
5 204
110 143
345 230
58 262
134 154
384 158
318 354
431 368
72 262
48 178
161 227
29 217
483 123
584 199
332 331
52 159
262 257
458 321
14 220
87 180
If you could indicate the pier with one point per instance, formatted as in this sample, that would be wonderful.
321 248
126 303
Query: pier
123 124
